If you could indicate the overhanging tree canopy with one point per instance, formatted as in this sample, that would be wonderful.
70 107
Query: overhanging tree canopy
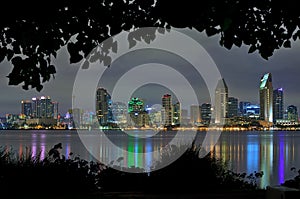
33 31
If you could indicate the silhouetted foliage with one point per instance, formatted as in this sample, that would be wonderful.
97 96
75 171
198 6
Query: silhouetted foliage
33 175
33 31
188 174
295 182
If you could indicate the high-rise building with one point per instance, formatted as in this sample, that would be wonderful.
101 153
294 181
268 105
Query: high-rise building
176 114
252 111
195 114
167 112
266 98
278 104
206 113
137 113
35 107
26 108
243 108
292 113
221 102
119 111
136 105
103 103
185 120
43 107
55 110
233 108
46 107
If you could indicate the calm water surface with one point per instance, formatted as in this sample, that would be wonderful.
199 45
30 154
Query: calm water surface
274 153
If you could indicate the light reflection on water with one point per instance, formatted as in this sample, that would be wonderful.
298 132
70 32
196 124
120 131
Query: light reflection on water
274 153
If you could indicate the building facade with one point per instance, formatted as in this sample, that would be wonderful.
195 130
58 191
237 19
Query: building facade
167 110
233 108
195 115
176 114
266 98
103 103
26 108
278 104
292 113
206 113
221 102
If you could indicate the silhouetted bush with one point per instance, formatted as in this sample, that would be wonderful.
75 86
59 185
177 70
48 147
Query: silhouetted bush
187 174
295 182
25 173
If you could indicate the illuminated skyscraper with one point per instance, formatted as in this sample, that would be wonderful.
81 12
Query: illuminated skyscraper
243 108
35 107
43 108
233 108
168 112
277 104
176 114
266 98
195 114
55 110
221 102
46 107
206 113
103 103
292 113
136 105
138 115
26 108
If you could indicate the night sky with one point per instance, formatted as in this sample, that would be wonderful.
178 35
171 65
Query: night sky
241 71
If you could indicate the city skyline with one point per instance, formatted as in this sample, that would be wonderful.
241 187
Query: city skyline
221 87
241 71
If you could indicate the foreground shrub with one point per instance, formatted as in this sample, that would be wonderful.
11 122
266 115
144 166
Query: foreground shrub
188 174
295 182
31 174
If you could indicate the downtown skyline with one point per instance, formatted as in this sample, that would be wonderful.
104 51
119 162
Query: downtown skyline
222 99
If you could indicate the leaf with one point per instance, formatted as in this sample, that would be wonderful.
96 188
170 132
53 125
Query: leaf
39 87
51 69
2 54
10 54
287 44
252 49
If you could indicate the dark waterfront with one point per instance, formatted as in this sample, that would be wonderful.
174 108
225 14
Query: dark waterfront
274 153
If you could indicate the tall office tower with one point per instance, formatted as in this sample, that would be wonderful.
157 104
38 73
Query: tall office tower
26 108
185 120
35 107
103 101
136 105
77 117
176 114
167 110
119 111
138 115
292 113
45 107
243 108
206 113
277 104
233 108
252 111
195 114
221 102
55 110
266 98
